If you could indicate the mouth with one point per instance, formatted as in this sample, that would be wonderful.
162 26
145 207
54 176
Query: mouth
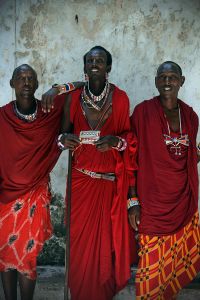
94 70
167 88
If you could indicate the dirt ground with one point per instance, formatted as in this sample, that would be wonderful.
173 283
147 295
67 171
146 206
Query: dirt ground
50 286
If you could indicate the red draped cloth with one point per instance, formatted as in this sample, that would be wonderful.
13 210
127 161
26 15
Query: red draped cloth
100 256
167 185
28 151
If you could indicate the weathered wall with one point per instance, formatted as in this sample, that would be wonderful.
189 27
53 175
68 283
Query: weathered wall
52 36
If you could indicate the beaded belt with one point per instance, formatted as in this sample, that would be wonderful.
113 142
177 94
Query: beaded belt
106 176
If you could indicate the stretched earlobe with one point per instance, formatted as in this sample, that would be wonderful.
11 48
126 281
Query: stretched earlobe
182 80
11 83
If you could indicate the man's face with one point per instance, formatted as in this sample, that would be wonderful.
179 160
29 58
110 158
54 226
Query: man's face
96 64
25 83
168 80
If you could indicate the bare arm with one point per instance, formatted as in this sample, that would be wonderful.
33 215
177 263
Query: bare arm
134 211
48 97
198 153
68 139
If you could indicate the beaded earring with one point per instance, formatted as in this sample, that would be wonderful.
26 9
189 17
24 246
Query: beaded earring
107 75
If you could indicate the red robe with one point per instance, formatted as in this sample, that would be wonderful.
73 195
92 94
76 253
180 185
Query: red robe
99 257
28 151
167 187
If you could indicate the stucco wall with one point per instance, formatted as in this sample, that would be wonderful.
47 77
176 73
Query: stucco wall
52 36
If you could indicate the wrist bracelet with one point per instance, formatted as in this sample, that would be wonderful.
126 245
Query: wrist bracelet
64 88
198 147
121 145
60 145
132 202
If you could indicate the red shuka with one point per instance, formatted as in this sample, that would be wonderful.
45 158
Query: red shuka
167 188
28 151
99 257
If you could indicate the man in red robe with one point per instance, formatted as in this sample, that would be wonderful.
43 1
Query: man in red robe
101 174
167 187
28 152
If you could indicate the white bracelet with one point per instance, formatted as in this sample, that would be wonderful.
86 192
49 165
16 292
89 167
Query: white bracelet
60 145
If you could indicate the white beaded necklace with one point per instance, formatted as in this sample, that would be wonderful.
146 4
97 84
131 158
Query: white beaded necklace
175 142
27 118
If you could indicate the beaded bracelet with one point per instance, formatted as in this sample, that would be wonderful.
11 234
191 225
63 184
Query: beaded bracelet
198 147
121 145
59 143
64 88
133 201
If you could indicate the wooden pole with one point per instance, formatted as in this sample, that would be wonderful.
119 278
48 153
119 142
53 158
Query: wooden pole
67 251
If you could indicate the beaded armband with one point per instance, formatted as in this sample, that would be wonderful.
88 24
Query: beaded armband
198 147
132 202
64 88
122 144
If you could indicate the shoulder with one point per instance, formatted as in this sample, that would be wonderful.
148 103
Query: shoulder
188 109
144 105
120 96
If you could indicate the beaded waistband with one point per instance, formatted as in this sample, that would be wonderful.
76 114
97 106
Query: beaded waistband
106 176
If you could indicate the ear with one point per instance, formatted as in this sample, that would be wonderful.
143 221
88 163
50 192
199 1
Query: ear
36 84
108 69
182 80
11 83
84 70
156 82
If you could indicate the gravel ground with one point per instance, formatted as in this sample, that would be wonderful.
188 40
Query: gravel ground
51 282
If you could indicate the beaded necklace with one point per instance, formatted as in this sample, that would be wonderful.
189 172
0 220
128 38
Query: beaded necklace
175 142
101 96
90 103
27 118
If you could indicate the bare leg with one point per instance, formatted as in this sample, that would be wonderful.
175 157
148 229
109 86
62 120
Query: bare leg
27 287
9 281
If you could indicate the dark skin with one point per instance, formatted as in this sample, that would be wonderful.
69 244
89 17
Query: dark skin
48 97
25 84
168 82
96 67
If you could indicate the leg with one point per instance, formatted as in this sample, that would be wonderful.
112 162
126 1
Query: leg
9 281
27 287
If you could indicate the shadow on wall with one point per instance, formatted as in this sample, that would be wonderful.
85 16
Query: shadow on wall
53 252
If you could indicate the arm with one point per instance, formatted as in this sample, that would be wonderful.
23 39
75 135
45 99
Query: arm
67 140
198 153
57 89
133 207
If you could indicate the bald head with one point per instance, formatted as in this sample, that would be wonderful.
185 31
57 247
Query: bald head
169 66
22 68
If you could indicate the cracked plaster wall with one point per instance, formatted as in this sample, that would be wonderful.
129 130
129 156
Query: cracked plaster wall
52 36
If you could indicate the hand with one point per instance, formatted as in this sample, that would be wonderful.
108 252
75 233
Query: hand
106 143
48 99
70 141
134 216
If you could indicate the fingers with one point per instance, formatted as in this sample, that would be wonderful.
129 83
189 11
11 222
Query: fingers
70 141
48 100
134 217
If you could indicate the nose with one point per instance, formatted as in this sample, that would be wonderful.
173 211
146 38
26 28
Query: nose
26 81
94 62
167 79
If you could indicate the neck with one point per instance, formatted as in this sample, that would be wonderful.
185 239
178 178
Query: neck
96 86
169 103
26 106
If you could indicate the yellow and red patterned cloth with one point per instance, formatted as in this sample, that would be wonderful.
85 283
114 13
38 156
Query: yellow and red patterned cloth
168 263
